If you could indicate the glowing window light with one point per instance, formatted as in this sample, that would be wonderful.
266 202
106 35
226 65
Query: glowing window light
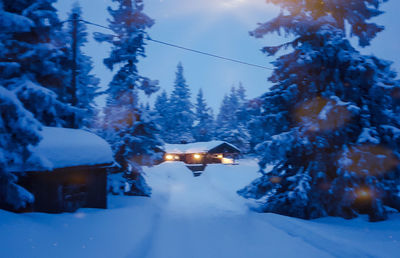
176 157
169 157
197 156
227 161
220 156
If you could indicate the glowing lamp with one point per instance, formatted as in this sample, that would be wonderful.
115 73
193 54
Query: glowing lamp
197 156
275 179
364 194
169 157
227 161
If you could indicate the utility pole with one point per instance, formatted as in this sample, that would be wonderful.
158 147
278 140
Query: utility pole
74 98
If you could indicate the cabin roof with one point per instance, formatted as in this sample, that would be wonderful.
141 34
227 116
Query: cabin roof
64 147
197 147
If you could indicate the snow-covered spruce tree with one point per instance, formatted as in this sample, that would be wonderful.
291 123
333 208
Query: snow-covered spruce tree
33 61
203 129
130 130
86 83
229 128
245 113
162 109
252 113
241 94
242 113
18 128
181 115
331 122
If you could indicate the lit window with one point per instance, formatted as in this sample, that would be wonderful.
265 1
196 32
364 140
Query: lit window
197 156
169 157
227 161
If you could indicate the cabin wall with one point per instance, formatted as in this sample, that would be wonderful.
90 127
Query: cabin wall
210 157
67 189
97 189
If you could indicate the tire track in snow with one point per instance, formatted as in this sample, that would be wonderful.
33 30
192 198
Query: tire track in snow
144 247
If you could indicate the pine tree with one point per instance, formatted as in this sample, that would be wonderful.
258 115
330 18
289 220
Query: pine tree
255 124
34 60
32 67
248 115
229 127
241 94
181 111
86 83
204 122
18 128
242 112
331 126
224 117
162 109
130 130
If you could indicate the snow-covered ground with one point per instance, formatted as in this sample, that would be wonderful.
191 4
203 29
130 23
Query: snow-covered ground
192 217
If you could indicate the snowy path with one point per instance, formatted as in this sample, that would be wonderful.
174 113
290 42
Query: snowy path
201 218
192 217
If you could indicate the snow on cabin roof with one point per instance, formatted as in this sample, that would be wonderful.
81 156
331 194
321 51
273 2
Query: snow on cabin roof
63 147
197 147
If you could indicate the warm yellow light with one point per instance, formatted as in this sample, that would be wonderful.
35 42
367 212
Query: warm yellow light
363 194
197 156
227 161
176 157
169 157
220 156
275 179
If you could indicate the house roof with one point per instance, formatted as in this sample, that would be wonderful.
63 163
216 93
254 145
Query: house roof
197 147
63 147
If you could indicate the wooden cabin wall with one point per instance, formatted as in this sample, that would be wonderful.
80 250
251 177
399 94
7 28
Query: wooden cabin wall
67 189
97 189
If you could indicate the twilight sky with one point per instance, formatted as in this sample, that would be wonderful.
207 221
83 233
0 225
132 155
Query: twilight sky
220 27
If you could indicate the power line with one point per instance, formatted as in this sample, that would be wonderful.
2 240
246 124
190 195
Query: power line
188 49
208 54
95 24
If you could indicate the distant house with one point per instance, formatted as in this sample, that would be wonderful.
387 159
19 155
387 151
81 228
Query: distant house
67 171
202 152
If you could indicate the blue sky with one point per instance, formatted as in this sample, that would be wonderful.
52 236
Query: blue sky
219 27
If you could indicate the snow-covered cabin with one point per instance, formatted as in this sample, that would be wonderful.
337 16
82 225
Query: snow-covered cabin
202 152
66 171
